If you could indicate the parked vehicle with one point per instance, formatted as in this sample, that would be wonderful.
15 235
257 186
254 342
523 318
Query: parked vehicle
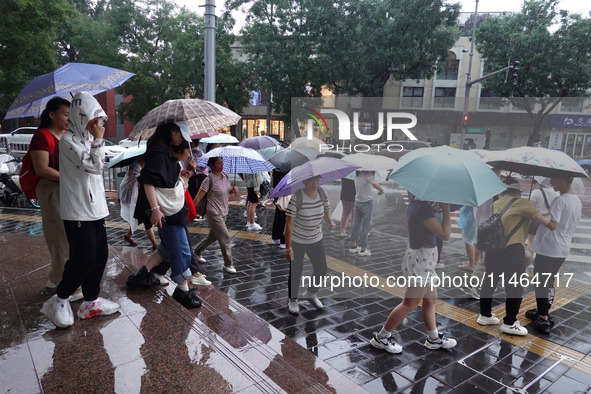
585 162
10 189
18 140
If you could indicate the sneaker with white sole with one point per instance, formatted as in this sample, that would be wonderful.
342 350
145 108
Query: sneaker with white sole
200 258
293 307
77 296
58 311
282 246
230 270
162 279
487 321
276 242
354 250
343 234
50 284
439 266
253 227
200 280
313 298
99 307
442 342
387 344
514 329
364 253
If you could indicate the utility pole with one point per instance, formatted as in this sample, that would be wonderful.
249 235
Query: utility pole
210 30
468 80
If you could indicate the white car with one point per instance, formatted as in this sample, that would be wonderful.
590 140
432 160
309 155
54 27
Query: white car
17 141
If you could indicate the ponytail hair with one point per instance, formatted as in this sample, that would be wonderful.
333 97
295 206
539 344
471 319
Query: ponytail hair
52 105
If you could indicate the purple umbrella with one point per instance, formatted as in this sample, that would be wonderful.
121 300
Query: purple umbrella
259 142
327 168
69 78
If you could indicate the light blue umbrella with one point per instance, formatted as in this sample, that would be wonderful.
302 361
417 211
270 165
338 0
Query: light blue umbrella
127 157
238 160
447 175
69 78
327 168
267 153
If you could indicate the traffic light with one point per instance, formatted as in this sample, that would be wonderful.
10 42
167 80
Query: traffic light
513 72
465 119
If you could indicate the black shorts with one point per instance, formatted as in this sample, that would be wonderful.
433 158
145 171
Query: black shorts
251 196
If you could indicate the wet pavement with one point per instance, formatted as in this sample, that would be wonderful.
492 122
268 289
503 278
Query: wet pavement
243 338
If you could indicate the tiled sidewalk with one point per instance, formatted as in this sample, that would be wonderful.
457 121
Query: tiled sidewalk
485 360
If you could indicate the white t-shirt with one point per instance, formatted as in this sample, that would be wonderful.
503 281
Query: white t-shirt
538 199
364 189
566 210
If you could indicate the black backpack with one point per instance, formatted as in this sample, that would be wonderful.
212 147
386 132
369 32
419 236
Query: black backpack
491 234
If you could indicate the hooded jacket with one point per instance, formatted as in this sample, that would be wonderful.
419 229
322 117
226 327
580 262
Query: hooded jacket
82 158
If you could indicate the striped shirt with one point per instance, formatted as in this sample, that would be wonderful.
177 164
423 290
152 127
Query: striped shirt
307 223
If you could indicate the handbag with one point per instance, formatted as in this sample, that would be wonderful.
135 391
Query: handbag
171 200
201 206
283 202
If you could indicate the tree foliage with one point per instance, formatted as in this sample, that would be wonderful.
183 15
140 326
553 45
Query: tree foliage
554 50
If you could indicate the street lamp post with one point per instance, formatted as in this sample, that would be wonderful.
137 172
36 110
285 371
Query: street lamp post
468 79
210 29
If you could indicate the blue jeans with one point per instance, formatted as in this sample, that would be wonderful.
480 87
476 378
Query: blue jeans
361 221
176 243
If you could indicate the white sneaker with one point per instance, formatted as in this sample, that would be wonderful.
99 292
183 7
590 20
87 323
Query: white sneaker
354 250
230 270
77 296
515 329
442 342
439 266
276 242
200 280
58 311
313 298
100 307
282 246
293 307
487 321
162 279
253 227
364 253
343 234
387 344
201 259
50 285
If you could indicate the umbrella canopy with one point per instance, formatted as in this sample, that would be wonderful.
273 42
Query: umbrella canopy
127 157
369 162
267 153
202 116
447 175
289 158
220 139
69 78
304 142
577 186
259 142
238 160
528 160
327 168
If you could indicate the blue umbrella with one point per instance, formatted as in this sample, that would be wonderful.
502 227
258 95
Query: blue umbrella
238 160
447 175
327 168
69 78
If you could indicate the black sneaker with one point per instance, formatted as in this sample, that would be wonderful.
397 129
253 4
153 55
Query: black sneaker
142 280
187 299
532 314
544 326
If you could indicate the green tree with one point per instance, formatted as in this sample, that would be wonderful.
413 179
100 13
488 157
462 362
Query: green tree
27 47
554 50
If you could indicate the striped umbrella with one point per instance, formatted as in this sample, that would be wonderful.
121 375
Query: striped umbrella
238 160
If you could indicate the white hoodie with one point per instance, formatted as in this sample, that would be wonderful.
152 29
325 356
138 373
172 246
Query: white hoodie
82 158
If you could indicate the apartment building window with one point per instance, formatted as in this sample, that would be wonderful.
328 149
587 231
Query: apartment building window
572 104
412 97
444 98
449 68
488 100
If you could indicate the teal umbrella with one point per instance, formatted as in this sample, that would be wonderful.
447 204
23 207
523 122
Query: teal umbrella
447 175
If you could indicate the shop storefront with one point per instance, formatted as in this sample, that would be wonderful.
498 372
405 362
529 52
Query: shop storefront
571 134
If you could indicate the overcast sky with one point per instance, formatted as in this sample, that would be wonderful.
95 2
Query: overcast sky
579 6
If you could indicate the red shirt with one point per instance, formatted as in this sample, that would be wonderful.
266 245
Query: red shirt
41 141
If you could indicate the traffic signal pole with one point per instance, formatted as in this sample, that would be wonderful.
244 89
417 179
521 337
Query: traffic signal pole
469 83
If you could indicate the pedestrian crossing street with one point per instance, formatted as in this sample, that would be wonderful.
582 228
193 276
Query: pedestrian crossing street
580 246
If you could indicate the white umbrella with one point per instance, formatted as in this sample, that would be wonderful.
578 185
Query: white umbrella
528 160
127 157
220 139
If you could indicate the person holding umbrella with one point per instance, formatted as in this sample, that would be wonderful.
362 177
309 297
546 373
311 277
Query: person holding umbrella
161 196
303 235
83 209
218 188
552 246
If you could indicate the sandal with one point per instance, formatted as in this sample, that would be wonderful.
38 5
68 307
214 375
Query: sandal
130 240
465 267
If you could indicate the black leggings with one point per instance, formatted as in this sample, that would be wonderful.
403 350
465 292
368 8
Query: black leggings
508 261
317 257
544 265
89 251
279 225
